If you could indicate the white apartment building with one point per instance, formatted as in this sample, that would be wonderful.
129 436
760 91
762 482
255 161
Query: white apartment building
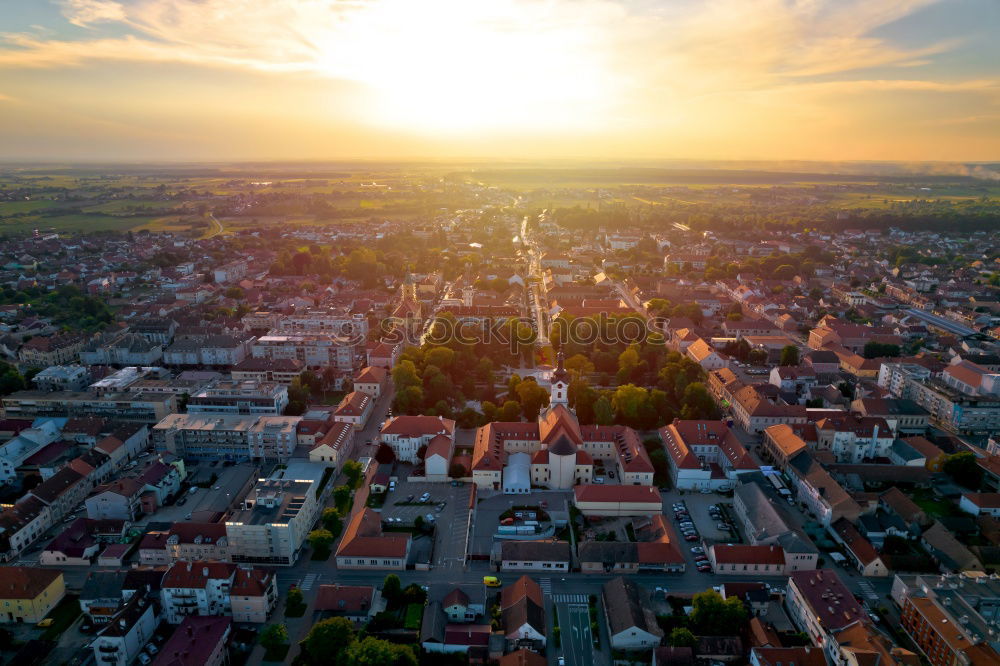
240 397
196 588
275 518
315 350
226 436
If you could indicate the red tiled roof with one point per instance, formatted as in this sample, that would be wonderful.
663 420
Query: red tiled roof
748 554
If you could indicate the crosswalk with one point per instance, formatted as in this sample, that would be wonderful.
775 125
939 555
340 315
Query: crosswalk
868 590
308 581
569 598
546 585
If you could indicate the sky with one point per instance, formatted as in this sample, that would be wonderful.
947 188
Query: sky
220 80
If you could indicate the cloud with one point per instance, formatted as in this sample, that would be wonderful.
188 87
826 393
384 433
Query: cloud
85 13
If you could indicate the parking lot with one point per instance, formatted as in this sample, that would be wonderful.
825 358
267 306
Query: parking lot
450 521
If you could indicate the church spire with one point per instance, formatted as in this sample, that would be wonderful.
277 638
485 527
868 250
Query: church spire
560 383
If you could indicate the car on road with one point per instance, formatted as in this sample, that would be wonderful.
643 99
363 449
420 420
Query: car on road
491 581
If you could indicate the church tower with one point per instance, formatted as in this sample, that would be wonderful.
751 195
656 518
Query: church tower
560 384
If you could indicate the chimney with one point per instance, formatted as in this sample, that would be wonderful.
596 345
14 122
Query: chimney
204 572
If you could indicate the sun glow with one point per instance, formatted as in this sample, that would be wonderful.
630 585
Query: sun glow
467 66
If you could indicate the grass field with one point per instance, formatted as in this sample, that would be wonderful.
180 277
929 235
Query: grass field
68 223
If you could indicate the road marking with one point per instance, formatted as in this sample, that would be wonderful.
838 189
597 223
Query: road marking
868 590
308 581
570 598
546 585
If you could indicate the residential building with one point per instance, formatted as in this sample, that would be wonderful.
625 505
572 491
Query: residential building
743 560
372 380
860 551
355 408
364 546
118 500
535 556
405 435
623 557
704 454
334 447
126 632
226 436
63 378
139 407
980 503
631 622
754 412
902 415
522 615
317 350
357 603
273 521
821 605
198 641
240 397
766 523
253 595
196 588
196 542
28 594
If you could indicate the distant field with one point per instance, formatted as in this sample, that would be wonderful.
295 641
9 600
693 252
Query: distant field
15 207
71 223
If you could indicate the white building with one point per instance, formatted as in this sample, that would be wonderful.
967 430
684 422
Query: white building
407 434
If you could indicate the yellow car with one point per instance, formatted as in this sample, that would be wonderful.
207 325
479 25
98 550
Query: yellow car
47 622
491 581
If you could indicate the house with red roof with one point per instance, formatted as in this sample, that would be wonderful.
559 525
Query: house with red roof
704 454
364 546
743 560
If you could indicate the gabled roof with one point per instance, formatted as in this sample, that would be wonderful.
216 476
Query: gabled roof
344 598
363 538
627 608
519 589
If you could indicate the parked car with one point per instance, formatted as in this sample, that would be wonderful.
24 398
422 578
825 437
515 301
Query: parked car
144 658
691 537
181 501
152 649
697 549
425 497
723 526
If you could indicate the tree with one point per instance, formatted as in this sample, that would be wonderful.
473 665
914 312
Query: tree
392 589
714 615
789 355
327 640
294 598
627 401
579 364
511 411
457 470
405 374
532 398
963 468
342 498
352 470
408 400
330 517
274 636
321 540
10 379
697 403
682 637
604 414
376 652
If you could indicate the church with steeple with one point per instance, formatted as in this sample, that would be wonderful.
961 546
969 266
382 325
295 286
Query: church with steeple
556 451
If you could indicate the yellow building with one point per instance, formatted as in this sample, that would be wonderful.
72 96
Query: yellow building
27 595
